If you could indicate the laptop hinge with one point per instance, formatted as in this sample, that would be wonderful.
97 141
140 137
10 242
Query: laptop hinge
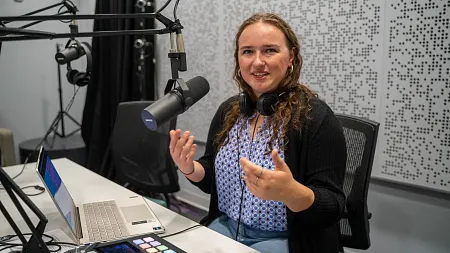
78 223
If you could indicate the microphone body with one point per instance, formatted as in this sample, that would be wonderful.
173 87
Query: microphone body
174 103
70 53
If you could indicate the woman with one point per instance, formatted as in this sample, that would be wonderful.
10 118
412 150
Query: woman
275 155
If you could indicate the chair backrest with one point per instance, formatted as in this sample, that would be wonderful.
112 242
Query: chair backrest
141 156
361 138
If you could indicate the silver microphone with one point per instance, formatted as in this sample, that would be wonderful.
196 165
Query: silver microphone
143 3
140 43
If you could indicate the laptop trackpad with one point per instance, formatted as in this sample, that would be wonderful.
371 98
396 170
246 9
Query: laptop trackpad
137 214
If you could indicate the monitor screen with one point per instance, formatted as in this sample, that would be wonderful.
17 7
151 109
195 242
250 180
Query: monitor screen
57 189
122 247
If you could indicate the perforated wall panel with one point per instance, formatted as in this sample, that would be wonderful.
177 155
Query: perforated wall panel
388 61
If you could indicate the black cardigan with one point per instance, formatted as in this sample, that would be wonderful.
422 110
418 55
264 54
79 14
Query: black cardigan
317 157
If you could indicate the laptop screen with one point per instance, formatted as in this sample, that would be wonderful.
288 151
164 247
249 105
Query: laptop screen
57 189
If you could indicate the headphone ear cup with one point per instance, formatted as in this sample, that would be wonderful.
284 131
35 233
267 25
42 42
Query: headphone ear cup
246 104
81 79
71 75
266 104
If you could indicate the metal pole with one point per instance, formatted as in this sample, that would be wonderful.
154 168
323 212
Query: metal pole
60 113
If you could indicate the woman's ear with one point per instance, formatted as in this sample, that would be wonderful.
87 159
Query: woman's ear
292 53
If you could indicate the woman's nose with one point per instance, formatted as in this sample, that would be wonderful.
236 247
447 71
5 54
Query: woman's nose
259 60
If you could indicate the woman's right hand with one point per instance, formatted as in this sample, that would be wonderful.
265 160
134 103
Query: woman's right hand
182 150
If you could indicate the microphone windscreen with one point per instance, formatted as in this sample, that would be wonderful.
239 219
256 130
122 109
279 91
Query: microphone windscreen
199 87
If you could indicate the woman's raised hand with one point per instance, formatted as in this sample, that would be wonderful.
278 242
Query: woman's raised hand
182 150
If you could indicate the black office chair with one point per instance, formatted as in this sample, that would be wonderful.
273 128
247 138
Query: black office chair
140 156
361 138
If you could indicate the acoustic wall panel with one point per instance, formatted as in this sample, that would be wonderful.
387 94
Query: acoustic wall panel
383 60
342 50
414 144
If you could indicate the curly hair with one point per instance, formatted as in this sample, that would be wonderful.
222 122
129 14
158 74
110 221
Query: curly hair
293 107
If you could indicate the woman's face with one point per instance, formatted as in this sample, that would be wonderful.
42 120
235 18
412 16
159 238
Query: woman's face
263 57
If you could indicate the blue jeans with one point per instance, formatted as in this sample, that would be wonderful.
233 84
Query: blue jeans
260 240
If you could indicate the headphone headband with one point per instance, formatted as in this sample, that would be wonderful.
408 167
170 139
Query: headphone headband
73 75
265 103
87 50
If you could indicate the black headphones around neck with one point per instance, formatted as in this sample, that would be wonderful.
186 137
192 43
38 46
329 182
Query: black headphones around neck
265 104
74 76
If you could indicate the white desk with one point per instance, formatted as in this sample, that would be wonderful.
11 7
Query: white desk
85 185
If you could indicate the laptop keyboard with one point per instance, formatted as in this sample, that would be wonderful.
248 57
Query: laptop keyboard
104 221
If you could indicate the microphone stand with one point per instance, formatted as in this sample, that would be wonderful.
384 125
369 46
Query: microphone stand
60 116
35 243
177 55
178 63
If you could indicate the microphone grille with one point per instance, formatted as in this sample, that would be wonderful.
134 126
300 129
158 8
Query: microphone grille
199 87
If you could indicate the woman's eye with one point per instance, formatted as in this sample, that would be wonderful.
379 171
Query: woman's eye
246 51
271 50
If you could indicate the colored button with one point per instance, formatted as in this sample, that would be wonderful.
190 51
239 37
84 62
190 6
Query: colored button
148 239
162 247
137 242
155 243
169 251
144 246
152 250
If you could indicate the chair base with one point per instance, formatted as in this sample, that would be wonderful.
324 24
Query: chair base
158 201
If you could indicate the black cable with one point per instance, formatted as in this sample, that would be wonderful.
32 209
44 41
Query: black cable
37 187
7 247
175 10
58 248
182 231
64 243
242 186
51 129
240 181
164 6
21 171
60 13
4 241
240 211
73 8
59 245
69 105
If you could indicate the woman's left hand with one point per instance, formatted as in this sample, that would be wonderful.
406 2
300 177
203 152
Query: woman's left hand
267 184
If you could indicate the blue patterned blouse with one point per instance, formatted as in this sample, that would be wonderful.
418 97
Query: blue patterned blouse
262 214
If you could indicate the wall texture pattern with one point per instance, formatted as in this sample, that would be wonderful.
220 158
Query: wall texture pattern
388 61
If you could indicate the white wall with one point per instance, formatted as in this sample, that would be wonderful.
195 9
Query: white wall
406 219
29 99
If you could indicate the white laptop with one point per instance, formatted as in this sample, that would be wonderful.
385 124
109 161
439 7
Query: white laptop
106 220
